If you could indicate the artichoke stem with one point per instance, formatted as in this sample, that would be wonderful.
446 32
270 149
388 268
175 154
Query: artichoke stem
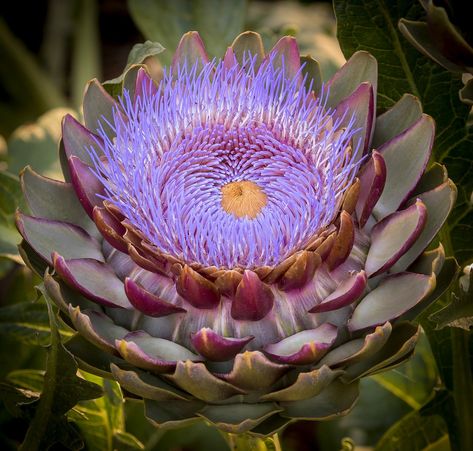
247 442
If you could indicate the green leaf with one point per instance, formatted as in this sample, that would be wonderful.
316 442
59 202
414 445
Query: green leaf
139 53
101 421
420 429
10 198
17 400
100 418
62 391
31 92
372 25
22 323
374 413
414 380
443 444
459 313
28 323
28 379
86 48
217 21
413 433
36 144
126 442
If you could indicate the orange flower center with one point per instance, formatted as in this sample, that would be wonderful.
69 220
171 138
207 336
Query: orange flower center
243 198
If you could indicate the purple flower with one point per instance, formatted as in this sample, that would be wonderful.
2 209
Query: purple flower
228 165
236 243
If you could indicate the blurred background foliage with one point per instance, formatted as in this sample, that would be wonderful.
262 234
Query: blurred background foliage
47 55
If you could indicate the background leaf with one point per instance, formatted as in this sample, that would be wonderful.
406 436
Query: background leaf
10 198
32 89
459 313
413 433
86 48
61 392
217 21
28 323
140 53
414 380
36 144
376 410
102 420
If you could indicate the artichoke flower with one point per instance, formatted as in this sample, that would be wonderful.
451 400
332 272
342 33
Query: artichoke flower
237 242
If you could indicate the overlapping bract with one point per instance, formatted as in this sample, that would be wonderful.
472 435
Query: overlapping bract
247 348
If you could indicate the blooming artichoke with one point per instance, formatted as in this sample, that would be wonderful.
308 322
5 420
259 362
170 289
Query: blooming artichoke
237 242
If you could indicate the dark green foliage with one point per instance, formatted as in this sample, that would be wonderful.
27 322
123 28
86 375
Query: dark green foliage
373 25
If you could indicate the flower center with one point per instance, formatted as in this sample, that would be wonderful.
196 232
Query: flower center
243 198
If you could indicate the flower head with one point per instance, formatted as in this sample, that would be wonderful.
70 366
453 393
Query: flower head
235 166
229 239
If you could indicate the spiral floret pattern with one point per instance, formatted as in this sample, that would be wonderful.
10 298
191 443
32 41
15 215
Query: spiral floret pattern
206 127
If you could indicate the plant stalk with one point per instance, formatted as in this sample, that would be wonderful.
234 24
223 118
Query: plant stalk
462 386
461 370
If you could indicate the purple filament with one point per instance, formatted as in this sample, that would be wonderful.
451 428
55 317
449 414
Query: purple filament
208 126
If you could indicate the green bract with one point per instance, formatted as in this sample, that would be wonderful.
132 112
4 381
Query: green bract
247 348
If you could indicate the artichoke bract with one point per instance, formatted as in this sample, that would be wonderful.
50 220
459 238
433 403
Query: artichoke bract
238 242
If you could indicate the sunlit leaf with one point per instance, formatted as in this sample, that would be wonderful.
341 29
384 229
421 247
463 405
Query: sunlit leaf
99 418
102 420
126 442
36 144
442 444
419 429
414 380
413 433
29 379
